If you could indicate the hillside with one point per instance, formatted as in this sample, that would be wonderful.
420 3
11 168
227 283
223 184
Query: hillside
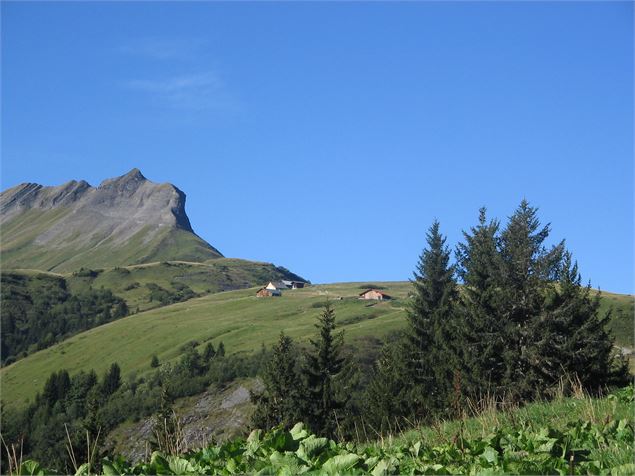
40 309
125 220
151 285
237 318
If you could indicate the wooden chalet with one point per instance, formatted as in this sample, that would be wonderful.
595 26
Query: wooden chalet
374 294
265 292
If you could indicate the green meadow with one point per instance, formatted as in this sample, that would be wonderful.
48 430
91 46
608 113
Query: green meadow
239 319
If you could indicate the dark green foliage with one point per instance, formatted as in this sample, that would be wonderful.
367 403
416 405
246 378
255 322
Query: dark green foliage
154 362
36 312
281 401
321 369
527 272
87 273
220 352
430 359
112 380
56 387
192 362
526 323
570 338
482 331
182 292
209 352
86 404
521 326
388 394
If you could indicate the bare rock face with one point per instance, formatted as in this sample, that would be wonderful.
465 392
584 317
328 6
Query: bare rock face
129 218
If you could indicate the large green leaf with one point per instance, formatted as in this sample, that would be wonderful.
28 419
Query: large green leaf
311 447
298 432
32 468
341 463
159 464
180 466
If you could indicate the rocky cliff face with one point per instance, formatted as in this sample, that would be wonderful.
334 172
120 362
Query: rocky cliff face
125 220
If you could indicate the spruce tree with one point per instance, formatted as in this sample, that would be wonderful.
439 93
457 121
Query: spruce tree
387 396
571 340
323 365
480 334
430 354
280 402
528 271
112 380
209 352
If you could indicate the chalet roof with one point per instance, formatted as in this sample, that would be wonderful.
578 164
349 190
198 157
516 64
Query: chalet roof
278 284
376 290
272 291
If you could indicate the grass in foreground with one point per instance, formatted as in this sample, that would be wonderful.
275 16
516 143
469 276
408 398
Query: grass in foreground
569 436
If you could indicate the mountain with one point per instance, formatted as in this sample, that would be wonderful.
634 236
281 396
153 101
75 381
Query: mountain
125 220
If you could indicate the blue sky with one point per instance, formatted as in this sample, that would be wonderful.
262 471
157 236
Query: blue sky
326 137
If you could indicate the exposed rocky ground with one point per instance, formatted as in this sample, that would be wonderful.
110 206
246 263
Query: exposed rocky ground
214 416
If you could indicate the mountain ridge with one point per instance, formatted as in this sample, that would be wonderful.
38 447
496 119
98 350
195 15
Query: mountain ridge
124 220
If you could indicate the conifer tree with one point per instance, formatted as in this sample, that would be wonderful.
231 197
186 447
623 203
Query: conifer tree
192 361
481 334
280 402
387 395
154 362
431 358
112 380
220 352
322 366
571 340
209 352
528 269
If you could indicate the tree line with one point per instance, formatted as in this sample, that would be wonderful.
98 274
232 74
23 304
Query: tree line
39 311
85 403
507 319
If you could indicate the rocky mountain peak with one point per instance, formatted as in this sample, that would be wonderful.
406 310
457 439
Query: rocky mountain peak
129 182
121 210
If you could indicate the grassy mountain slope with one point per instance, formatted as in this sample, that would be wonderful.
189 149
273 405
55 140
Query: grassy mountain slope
19 248
222 274
237 318
125 220
40 309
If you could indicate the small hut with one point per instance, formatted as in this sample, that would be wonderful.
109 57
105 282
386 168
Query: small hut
374 294
264 292
276 285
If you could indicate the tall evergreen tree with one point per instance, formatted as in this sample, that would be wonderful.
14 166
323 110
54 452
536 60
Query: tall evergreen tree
481 335
323 365
528 272
431 357
571 340
280 403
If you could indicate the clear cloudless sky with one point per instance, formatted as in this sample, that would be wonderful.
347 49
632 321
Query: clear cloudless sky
326 137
